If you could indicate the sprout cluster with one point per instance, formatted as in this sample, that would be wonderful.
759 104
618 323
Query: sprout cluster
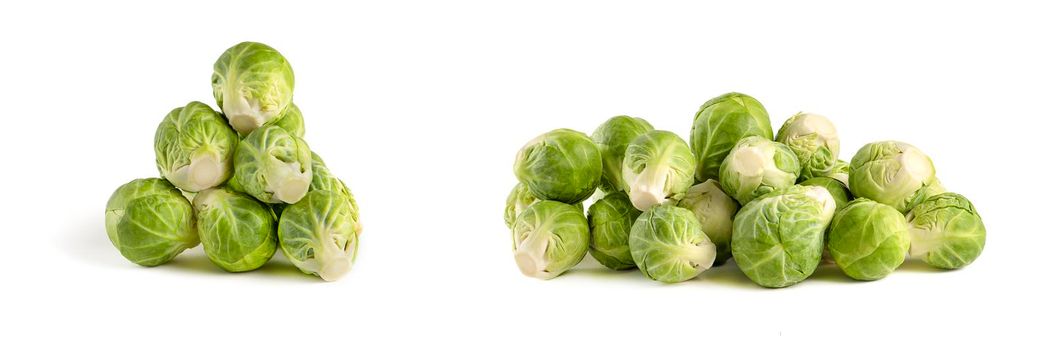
241 181
777 205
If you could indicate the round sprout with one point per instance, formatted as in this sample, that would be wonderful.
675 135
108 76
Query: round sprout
612 138
838 190
841 172
150 222
561 165
238 233
946 231
668 245
273 166
720 124
658 166
757 166
815 142
252 84
549 238
517 202
319 234
610 220
195 147
868 240
323 180
778 238
893 173
292 121
715 211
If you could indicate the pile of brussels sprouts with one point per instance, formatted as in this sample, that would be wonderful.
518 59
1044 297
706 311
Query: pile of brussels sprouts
242 182
779 205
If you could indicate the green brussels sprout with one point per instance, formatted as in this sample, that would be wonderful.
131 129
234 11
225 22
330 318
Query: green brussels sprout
815 142
517 202
757 166
946 231
715 211
838 190
561 165
319 234
612 138
719 125
778 238
893 173
668 245
238 233
658 166
252 84
868 240
150 222
549 238
273 165
610 220
841 172
195 147
323 180
292 121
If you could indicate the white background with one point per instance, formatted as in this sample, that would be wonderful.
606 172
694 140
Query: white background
421 107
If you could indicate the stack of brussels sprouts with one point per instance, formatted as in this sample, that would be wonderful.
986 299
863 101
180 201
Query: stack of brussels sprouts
776 204
242 182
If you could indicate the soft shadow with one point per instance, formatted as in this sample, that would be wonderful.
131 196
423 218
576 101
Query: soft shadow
917 265
728 274
591 268
89 243
830 273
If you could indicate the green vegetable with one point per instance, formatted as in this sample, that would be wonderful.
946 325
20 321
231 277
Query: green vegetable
517 202
273 165
658 166
324 180
561 165
610 220
815 142
946 231
668 245
292 121
612 139
719 125
195 147
238 233
150 221
252 84
868 240
319 234
549 238
757 166
838 190
893 173
715 211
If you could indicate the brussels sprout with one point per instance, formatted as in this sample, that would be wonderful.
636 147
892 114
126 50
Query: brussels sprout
318 234
195 147
893 173
610 220
657 166
273 166
323 180
238 233
946 231
150 222
815 142
561 165
720 124
519 199
838 190
715 211
252 84
612 138
778 238
292 121
841 172
757 166
549 238
868 240
668 245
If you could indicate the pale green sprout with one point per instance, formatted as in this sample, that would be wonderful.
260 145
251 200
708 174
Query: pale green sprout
324 180
841 172
719 125
868 240
658 167
561 165
757 166
612 138
715 210
252 84
273 165
517 202
549 238
319 234
778 238
292 121
150 221
610 220
814 140
839 190
238 232
668 245
893 173
194 147
946 231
